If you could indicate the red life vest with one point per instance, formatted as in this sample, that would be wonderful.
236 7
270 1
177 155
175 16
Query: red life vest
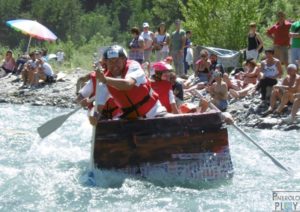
162 88
137 101
110 108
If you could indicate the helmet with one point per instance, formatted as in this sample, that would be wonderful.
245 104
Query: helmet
161 66
114 51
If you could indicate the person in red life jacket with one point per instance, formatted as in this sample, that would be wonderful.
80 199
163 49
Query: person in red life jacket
86 98
127 83
164 87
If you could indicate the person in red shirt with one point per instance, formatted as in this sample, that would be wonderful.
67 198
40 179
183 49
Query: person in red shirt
163 87
279 33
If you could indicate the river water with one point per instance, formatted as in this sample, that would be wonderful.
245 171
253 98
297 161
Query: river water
51 174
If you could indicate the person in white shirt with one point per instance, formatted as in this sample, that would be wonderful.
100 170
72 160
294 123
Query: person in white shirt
148 42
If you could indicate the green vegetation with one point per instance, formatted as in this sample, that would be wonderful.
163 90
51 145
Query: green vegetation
83 26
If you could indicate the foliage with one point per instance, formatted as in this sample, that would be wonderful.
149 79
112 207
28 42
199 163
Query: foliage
84 25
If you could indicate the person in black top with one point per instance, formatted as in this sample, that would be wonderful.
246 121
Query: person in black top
176 87
255 43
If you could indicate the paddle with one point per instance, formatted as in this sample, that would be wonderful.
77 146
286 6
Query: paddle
273 159
55 123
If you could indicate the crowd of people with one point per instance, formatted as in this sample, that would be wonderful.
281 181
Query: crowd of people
33 68
135 86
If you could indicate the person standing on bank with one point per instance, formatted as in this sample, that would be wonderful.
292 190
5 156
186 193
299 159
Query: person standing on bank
279 33
177 45
255 43
295 35
127 83
136 46
188 44
161 42
148 41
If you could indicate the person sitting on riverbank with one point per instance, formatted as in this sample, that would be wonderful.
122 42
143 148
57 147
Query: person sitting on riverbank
201 75
296 105
127 83
162 86
219 92
28 71
177 88
43 72
271 70
284 92
8 64
247 80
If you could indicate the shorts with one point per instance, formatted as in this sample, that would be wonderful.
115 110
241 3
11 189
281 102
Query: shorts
281 53
222 105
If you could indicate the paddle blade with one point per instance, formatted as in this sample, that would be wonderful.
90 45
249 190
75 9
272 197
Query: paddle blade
53 124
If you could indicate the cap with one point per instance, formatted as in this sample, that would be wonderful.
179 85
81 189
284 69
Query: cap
145 24
161 66
114 51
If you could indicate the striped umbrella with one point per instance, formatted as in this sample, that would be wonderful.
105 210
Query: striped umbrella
32 28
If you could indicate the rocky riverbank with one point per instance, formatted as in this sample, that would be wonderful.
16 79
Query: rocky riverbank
246 111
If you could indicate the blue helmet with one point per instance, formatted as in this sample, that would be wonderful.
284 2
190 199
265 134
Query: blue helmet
114 51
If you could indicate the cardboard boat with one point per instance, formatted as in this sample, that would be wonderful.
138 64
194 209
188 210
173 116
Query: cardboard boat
186 146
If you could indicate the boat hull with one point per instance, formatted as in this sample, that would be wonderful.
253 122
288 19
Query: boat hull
191 146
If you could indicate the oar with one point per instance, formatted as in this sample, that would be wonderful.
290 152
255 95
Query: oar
273 159
55 123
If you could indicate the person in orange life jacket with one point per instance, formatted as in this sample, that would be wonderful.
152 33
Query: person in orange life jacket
86 97
126 82
163 87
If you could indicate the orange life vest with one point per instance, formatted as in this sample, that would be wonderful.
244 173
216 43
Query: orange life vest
162 88
137 101
110 108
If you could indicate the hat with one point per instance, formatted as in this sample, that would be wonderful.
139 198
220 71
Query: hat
145 24
161 66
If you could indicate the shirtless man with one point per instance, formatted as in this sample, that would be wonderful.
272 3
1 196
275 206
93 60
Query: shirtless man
219 92
285 92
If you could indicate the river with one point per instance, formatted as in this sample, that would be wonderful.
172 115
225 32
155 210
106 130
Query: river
51 174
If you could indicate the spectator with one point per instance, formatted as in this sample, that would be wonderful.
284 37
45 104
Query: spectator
279 33
246 80
44 53
285 92
214 65
219 92
176 48
136 46
202 67
161 42
296 105
148 42
28 71
188 44
255 43
295 35
8 63
177 88
44 72
60 56
271 69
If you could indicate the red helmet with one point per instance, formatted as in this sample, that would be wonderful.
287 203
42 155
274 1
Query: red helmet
161 66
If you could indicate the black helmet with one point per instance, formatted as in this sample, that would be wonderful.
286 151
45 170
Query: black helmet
114 51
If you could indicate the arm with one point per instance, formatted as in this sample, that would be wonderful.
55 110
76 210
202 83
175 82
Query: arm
183 39
279 68
294 35
261 44
120 84
270 32
173 102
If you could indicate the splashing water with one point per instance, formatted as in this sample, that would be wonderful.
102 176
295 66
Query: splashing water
52 174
